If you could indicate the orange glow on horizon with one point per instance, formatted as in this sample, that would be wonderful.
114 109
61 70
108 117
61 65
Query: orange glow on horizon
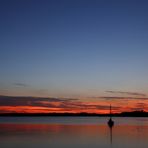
36 109
62 105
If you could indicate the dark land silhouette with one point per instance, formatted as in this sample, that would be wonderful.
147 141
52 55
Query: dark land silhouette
122 114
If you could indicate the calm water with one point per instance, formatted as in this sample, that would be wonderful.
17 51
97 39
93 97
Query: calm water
72 132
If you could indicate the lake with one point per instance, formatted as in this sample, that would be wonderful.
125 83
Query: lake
73 132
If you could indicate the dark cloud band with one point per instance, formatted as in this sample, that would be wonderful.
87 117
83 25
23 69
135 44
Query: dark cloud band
127 93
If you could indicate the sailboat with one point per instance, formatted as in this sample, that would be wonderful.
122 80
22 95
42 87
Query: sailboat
110 121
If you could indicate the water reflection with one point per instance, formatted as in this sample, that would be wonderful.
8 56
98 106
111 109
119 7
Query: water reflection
80 136
111 139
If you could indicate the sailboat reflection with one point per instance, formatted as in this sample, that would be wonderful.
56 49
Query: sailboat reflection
111 135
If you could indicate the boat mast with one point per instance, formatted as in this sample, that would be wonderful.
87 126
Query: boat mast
110 111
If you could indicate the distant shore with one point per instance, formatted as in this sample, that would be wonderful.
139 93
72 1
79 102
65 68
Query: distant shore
83 114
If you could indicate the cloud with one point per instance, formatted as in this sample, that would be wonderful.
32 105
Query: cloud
126 93
21 84
56 104
30 101
122 98
141 106
119 98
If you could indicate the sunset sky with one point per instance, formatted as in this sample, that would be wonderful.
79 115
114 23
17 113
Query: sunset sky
73 55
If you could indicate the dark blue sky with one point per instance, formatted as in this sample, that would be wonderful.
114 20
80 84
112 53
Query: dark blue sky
73 47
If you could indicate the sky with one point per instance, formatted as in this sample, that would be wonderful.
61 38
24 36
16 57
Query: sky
92 51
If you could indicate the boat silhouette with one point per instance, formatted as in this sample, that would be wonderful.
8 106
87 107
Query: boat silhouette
110 121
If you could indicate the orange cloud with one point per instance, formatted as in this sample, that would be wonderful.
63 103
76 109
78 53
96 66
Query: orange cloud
10 104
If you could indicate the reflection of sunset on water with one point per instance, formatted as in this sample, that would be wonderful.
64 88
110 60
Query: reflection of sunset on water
75 134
